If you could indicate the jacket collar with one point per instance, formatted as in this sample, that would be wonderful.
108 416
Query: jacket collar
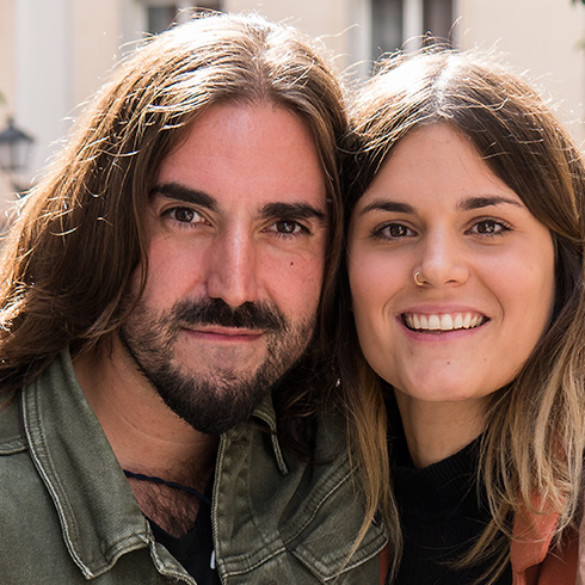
97 510
99 515
265 413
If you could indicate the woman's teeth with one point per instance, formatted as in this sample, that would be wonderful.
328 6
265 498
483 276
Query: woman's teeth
443 322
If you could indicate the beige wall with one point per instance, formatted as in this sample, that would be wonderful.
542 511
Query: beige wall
54 54
541 36
327 19
7 81
97 35
7 61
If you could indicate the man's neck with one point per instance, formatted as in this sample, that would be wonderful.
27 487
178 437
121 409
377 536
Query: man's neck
145 435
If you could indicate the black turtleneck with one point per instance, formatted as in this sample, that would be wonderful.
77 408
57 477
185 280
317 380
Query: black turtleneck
442 513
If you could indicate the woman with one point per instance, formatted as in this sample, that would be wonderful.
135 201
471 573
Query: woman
466 214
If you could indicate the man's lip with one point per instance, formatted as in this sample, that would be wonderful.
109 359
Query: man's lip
228 333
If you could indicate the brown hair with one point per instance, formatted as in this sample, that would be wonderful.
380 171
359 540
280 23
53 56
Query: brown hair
78 237
535 430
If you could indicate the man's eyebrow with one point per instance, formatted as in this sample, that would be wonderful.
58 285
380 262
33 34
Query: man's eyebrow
485 201
182 193
385 205
292 210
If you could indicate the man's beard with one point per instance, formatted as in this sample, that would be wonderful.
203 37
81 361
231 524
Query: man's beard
213 401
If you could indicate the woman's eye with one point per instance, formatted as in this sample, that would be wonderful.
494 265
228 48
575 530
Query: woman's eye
397 230
393 231
488 227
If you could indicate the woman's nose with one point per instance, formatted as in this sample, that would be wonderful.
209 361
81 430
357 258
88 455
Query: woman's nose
443 260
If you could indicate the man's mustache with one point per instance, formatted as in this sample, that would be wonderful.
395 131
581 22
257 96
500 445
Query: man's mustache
217 312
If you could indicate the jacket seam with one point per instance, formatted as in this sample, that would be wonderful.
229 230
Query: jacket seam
277 544
51 487
118 548
318 501
12 447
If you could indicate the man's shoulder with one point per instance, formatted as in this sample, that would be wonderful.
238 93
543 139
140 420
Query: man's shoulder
23 498
11 439
18 476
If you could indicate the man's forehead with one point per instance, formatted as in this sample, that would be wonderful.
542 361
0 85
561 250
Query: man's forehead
241 127
253 154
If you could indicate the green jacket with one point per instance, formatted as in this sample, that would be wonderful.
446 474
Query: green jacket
68 515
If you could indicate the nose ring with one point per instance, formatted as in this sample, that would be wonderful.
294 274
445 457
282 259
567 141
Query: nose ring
418 280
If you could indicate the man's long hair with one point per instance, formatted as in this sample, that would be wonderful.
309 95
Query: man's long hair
79 234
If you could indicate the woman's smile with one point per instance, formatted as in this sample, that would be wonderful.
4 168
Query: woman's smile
452 277
442 322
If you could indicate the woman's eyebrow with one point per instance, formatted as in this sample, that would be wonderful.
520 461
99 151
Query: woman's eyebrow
468 204
486 201
182 193
385 205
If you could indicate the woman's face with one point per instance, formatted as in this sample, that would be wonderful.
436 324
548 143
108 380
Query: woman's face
486 265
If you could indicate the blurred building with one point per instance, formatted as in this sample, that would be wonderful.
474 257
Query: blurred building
55 53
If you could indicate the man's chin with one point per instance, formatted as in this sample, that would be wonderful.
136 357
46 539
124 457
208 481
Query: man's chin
215 403
219 413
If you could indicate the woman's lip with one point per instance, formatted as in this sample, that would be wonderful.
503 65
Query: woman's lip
443 321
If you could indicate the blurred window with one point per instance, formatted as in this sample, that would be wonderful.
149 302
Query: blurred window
160 14
400 23
438 19
386 26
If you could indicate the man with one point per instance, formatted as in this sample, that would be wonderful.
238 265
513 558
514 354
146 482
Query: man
163 277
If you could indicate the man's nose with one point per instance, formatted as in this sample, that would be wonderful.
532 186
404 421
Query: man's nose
232 269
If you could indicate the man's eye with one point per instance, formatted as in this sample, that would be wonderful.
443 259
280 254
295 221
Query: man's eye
288 227
183 214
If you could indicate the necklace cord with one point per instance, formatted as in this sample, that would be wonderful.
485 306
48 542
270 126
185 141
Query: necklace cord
171 484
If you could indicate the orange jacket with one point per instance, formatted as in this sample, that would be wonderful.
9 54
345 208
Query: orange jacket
532 561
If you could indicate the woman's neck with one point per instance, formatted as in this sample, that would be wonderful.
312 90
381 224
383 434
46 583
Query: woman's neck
437 430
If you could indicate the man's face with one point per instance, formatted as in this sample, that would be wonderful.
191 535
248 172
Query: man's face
237 230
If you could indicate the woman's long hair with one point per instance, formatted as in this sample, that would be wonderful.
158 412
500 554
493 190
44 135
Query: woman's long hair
534 438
